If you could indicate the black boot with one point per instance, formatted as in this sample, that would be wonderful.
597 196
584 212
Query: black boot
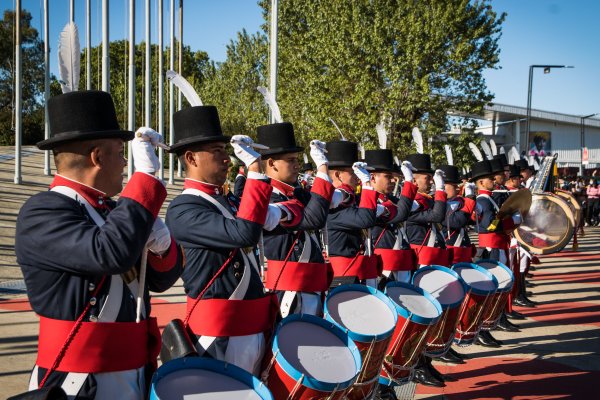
385 392
486 339
433 371
529 284
523 301
457 354
424 376
515 315
451 357
505 325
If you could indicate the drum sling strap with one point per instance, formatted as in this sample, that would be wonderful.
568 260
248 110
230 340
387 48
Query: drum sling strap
242 288
110 310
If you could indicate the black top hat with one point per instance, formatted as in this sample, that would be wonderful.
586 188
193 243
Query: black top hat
341 153
523 164
380 160
515 171
193 125
502 158
421 162
496 165
482 169
279 138
84 115
307 167
452 174
467 175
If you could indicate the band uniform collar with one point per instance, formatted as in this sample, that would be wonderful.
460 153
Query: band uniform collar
95 197
284 188
208 188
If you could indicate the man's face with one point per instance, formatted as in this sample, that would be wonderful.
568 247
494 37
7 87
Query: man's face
284 168
423 182
451 189
209 163
111 158
486 183
383 182
526 174
344 176
500 178
515 182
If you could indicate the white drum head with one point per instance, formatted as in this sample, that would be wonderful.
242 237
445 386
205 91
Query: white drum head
201 384
476 279
413 301
444 287
502 276
316 352
361 312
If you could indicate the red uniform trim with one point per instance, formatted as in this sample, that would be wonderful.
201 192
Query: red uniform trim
95 197
508 224
440 195
468 206
432 255
208 188
397 260
166 261
323 188
283 187
409 190
223 317
368 199
494 240
255 201
146 190
462 254
98 346
364 267
296 208
298 276
391 208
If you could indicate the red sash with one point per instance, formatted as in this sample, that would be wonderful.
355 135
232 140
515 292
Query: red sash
364 267
99 346
462 254
223 317
299 276
494 240
432 255
397 260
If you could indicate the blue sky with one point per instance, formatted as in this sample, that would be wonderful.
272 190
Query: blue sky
535 32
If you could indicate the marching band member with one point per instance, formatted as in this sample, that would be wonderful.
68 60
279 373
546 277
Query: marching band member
345 240
222 276
388 236
296 267
80 254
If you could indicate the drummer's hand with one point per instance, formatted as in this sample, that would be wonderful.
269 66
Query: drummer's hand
469 189
517 219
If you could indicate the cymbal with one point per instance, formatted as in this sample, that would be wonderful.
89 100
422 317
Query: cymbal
519 201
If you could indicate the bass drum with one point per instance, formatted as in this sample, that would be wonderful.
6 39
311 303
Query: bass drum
549 225
573 205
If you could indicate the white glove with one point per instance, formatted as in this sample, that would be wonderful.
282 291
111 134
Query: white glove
142 150
407 170
273 217
360 170
517 219
317 153
469 189
159 240
438 180
242 147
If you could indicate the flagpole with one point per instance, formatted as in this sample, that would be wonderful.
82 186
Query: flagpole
273 54
105 44
171 94
88 45
147 73
131 85
179 98
46 85
161 107
18 100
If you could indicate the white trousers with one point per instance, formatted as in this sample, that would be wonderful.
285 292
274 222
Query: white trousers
398 276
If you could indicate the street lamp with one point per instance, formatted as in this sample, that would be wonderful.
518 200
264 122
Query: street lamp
582 140
547 69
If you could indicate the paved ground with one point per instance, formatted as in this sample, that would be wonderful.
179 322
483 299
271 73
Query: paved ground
555 356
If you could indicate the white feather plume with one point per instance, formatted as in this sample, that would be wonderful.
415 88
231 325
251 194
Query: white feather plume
382 135
502 151
513 155
338 129
361 150
68 58
270 100
449 154
186 88
486 149
464 171
476 151
418 139
494 147
305 158
397 160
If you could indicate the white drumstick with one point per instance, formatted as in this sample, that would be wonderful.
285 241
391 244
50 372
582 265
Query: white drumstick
141 284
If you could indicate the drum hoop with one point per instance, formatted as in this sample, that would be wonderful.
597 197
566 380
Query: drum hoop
505 268
448 271
482 270
210 364
308 381
363 289
411 316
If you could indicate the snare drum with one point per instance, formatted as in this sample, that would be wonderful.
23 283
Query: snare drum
311 358
481 285
449 289
369 317
417 312
205 378
505 279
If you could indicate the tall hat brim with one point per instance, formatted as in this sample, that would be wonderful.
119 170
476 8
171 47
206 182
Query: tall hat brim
67 137
186 143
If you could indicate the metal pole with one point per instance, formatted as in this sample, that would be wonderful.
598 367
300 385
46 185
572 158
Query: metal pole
528 109
46 85
105 44
582 142
18 106
171 94
147 73
131 85
273 54
179 94
88 45
72 11
161 108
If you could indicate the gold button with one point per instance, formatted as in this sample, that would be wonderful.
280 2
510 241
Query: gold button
237 275
91 287
93 301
